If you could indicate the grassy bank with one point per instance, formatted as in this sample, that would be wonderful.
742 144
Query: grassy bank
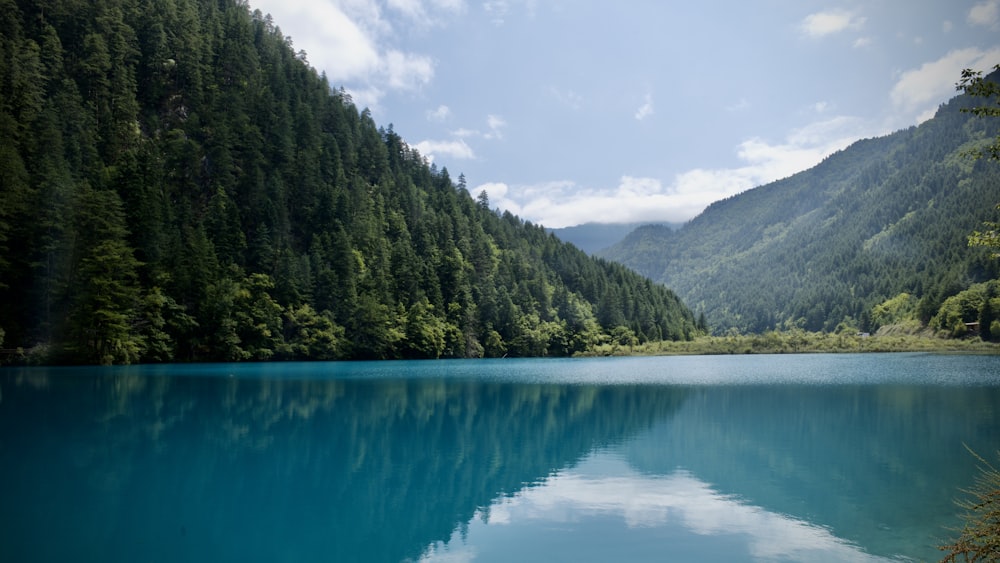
798 342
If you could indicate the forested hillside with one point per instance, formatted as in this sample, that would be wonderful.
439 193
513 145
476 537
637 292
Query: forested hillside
178 184
884 217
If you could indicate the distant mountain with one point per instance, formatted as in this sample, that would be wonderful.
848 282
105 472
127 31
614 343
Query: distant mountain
884 216
594 237
178 184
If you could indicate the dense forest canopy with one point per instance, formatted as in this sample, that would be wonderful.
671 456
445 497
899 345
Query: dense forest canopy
885 219
179 184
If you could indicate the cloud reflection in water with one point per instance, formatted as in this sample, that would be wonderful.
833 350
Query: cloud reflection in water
603 508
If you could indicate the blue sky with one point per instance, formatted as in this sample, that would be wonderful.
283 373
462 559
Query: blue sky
569 112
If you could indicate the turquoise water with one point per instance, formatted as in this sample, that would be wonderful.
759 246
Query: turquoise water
723 458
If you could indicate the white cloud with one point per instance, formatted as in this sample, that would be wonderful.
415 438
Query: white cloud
442 113
862 42
830 135
406 71
985 14
925 115
635 199
495 190
822 24
350 41
334 41
564 203
464 132
432 150
367 97
496 125
921 90
646 109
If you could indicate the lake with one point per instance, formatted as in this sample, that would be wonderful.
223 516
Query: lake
852 457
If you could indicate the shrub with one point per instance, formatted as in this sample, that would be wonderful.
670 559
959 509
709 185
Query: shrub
979 539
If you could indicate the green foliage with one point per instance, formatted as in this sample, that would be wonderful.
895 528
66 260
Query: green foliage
258 318
623 336
160 317
424 332
895 310
974 84
979 538
989 237
103 292
897 338
312 335
493 346
976 304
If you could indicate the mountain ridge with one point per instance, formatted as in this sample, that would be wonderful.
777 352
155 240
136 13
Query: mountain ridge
819 249
594 237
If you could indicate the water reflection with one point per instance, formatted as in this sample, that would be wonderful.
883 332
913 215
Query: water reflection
130 467
450 463
636 517
877 465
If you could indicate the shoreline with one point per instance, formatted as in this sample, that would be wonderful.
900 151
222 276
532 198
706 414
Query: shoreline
797 343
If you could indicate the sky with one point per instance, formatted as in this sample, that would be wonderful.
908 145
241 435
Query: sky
574 111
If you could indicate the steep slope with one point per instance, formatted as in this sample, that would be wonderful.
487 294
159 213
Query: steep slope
180 185
822 247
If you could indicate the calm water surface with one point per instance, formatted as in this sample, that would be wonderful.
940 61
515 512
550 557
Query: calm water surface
724 458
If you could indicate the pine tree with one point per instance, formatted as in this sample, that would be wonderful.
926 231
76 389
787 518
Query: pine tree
103 290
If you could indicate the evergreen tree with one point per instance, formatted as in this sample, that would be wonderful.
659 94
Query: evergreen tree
103 290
